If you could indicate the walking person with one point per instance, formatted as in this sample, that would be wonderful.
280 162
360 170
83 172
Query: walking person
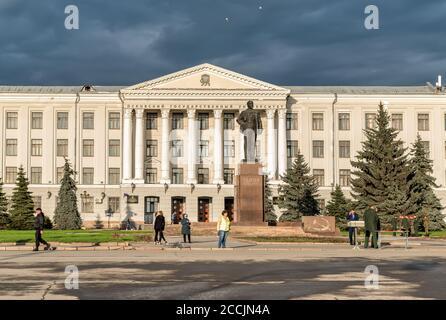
352 216
159 225
38 225
223 227
185 228
371 221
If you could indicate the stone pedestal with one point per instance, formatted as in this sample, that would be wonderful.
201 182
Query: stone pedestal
249 195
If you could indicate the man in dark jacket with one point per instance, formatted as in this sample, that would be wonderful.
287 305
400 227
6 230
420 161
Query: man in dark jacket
371 221
352 216
159 226
38 225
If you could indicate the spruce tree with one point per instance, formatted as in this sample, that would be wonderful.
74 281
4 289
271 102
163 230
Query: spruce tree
422 199
381 169
338 206
270 215
66 215
4 216
22 205
299 192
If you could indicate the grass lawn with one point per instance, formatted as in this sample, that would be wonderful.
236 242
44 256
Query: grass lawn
96 236
296 239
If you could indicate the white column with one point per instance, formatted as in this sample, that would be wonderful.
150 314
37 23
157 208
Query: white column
139 146
218 147
282 142
165 165
127 146
271 147
192 146
242 146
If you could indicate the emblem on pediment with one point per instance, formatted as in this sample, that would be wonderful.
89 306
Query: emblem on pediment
205 80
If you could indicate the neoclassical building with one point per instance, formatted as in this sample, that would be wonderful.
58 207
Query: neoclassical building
173 143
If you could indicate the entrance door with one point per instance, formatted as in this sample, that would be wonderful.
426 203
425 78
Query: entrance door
229 207
177 209
204 209
150 207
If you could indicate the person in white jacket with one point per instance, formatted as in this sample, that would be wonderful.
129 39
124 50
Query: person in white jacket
223 227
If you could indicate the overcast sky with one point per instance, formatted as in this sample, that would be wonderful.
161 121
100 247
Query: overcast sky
285 42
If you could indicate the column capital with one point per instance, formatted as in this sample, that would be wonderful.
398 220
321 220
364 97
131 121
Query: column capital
270 113
218 113
139 113
128 113
281 113
191 113
165 113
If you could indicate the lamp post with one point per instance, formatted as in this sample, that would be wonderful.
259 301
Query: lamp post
108 214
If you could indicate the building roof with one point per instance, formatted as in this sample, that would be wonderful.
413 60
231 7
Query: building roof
294 89
360 89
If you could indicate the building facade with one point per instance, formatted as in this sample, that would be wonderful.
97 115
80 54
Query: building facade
173 143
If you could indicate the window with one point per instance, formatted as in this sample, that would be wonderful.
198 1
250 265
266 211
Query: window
292 148
423 122
344 121
370 120
36 120
88 148
344 177
152 148
203 120
318 148
87 175
114 204
88 120
319 177
114 175
229 149
11 147
177 148
177 175
11 174
203 149
228 176
203 176
114 120
36 175
228 121
114 148
344 149
426 148
397 121
291 121
87 204
152 121
62 148
151 206
37 200
151 176
177 120
36 147
62 120
59 174
318 121
11 120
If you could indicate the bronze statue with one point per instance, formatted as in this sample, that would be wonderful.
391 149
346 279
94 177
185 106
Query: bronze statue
250 124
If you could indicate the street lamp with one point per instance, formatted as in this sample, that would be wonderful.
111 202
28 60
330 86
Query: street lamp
108 213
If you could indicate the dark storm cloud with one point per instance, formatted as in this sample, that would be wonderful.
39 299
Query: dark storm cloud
292 42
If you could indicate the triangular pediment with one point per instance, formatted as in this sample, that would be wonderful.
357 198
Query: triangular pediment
205 77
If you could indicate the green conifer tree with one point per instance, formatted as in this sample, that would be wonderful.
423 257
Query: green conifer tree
270 215
299 192
381 169
4 216
338 206
422 199
66 215
22 205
